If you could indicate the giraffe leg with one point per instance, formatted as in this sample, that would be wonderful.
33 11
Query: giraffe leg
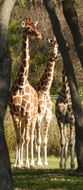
39 162
48 117
66 146
22 144
40 118
27 140
17 125
62 143
72 146
17 160
22 154
35 139
32 140
45 144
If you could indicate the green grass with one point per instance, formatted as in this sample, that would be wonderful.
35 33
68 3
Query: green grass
47 178
40 179
53 162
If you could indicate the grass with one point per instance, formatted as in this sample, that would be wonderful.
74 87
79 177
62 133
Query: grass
53 162
40 179
49 178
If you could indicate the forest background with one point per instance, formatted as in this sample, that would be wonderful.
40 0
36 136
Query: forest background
39 52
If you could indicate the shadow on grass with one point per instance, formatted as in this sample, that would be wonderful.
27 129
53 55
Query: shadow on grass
50 179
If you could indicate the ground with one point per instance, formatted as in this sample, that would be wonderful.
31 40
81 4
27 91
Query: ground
49 178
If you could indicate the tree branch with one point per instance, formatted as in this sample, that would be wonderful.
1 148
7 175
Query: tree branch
76 102
71 17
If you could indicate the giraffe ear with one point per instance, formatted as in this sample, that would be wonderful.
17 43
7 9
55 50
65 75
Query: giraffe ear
48 40
36 24
29 21
55 39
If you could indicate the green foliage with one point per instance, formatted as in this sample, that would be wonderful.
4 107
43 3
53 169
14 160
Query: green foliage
37 66
38 61
81 91
53 139
10 133
15 30
39 58
21 2
15 68
15 40
56 88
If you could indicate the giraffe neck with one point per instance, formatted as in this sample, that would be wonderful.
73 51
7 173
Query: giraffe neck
24 68
66 88
45 81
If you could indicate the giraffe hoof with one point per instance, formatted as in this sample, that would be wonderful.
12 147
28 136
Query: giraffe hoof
16 165
61 166
46 163
22 165
39 163
72 166
32 165
27 165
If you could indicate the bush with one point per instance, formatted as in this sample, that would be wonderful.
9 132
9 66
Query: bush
53 138
10 133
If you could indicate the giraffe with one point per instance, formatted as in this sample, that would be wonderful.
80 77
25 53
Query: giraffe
23 101
45 104
66 120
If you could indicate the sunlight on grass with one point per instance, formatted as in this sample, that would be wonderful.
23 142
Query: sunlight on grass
47 178
53 163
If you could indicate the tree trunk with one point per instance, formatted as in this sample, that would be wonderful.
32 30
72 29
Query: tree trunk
6 181
79 146
76 102
71 17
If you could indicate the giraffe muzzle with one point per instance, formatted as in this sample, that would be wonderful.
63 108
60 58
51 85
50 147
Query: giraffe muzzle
39 36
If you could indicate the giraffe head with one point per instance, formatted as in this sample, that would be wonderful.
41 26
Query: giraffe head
54 43
64 76
30 27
